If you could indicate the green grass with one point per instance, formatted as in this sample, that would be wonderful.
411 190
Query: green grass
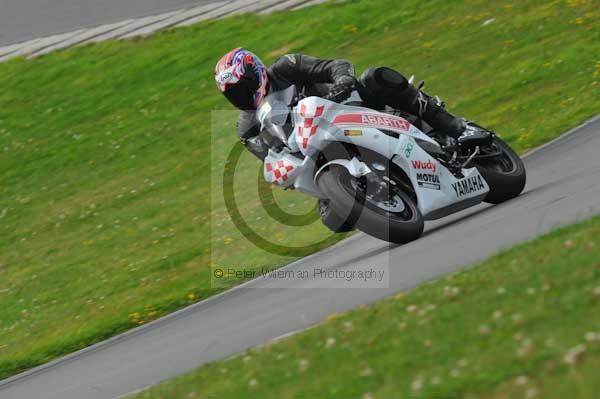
107 217
507 328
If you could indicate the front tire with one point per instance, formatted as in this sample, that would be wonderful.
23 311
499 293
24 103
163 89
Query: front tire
505 174
331 220
350 204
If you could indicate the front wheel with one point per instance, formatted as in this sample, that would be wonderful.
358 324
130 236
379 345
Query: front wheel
504 173
392 216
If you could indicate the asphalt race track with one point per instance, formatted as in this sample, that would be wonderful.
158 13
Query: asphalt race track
22 20
563 187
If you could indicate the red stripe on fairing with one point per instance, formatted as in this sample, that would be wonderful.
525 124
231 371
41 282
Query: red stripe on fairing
371 119
347 118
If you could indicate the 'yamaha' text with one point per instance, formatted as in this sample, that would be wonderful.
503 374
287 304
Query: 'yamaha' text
468 186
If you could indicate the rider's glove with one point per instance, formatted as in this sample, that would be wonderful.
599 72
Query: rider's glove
342 88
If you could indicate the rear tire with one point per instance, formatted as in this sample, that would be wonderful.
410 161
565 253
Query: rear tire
348 204
506 176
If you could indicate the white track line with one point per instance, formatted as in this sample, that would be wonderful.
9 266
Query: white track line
39 44
174 20
135 25
81 38
309 3
285 5
227 9
6 50
258 7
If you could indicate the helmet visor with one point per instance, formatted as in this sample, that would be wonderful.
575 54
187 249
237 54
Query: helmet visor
240 96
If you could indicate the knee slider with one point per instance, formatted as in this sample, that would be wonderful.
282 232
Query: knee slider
383 86
390 79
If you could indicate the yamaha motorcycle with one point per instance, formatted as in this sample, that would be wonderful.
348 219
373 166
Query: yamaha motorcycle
378 171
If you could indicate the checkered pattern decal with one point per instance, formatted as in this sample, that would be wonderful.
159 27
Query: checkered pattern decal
279 171
310 125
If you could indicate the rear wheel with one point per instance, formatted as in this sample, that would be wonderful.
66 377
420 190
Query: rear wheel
505 173
388 213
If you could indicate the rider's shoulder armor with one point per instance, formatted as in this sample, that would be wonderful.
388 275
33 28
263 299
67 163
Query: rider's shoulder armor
285 72
305 70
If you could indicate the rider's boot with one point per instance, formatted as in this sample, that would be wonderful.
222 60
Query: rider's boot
432 111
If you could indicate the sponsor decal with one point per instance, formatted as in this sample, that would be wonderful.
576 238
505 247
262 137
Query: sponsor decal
353 133
225 77
373 120
410 146
429 180
468 186
263 111
429 165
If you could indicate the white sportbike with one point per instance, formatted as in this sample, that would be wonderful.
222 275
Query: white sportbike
376 171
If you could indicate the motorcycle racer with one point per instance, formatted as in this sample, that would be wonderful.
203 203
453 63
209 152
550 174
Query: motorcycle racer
244 80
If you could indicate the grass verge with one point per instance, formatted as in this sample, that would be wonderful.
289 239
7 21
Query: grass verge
523 324
106 218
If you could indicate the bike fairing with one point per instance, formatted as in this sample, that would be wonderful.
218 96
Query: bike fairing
322 131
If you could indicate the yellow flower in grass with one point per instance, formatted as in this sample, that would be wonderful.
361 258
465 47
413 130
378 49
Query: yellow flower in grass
303 364
574 354
597 71
576 3
333 316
